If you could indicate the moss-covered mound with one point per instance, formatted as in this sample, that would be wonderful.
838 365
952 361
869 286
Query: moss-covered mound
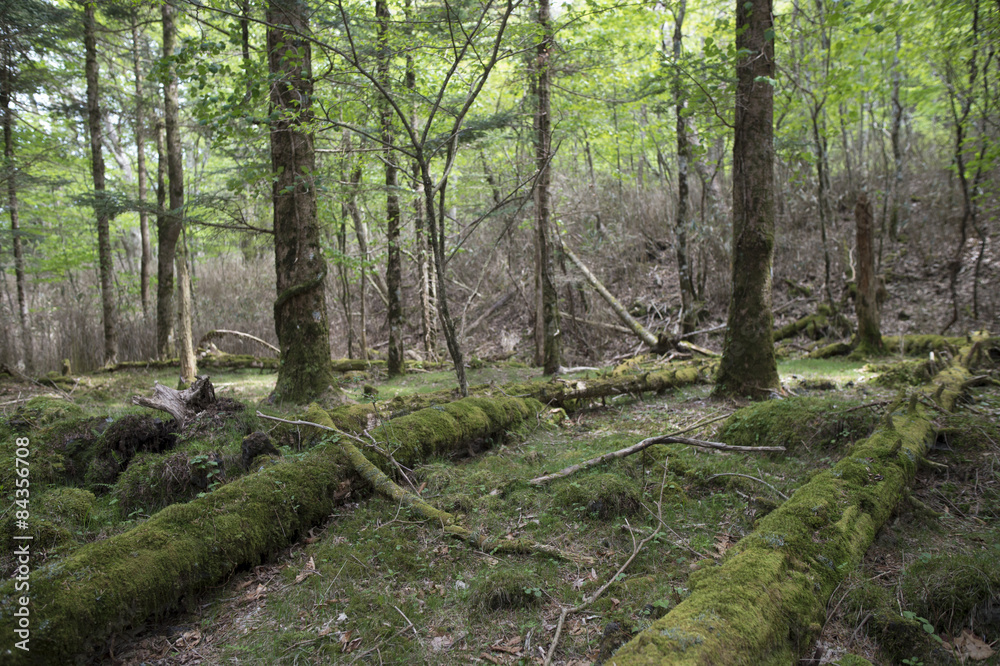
507 586
957 590
799 422
604 495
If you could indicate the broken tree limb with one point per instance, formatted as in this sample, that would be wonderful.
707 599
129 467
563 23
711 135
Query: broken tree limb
753 478
672 438
182 405
221 333
385 486
107 586
658 345
766 603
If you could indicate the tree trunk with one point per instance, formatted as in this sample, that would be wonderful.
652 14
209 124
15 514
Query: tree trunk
435 219
394 268
361 233
748 365
10 172
146 260
175 175
109 312
866 305
300 308
547 320
688 314
167 232
895 225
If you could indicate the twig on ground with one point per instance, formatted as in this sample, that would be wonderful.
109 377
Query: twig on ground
747 476
636 549
646 443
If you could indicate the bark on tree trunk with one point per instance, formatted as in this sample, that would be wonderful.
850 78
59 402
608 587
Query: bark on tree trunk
175 174
10 171
146 260
748 365
688 314
109 312
361 234
394 268
300 308
167 232
895 224
547 329
866 305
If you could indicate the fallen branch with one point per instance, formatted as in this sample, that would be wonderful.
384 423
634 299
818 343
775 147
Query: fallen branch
218 333
387 487
672 438
754 478
636 549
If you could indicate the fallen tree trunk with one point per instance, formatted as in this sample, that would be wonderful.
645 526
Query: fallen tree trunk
660 345
104 587
221 333
766 603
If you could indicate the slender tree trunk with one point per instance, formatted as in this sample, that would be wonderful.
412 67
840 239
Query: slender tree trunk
866 305
688 314
300 308
167 232
822 185
394 266
146 261
175 176
897 148
748 365
105 260
435 226
10 171
361 233
547 329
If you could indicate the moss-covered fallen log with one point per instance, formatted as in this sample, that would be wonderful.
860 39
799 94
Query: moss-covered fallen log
766 602
77 604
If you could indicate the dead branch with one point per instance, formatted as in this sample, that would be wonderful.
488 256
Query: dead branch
754 478
672 438
182 405
449 524
219 333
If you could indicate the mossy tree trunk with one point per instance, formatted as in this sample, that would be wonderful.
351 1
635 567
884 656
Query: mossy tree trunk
300 308
175 215
748 365
167 233
686 280
146 260
866 305
394 267
104 257
10 173
767 602
547 331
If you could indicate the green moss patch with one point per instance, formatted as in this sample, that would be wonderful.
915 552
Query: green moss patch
506 587
957 590
602 495
799 422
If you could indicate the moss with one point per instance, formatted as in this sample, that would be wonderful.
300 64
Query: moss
951 590
603 495
831 350
506 587
798 421
56 516
902 373
921 345
852 660
42 411
69 505
767 601
153 481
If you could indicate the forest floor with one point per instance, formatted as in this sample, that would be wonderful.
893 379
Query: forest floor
376 584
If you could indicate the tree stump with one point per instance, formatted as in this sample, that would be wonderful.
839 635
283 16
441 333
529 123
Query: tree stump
182 405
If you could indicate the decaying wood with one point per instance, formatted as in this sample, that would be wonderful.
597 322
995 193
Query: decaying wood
672 438
781 574
659 345
182 405
449 523
220 333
